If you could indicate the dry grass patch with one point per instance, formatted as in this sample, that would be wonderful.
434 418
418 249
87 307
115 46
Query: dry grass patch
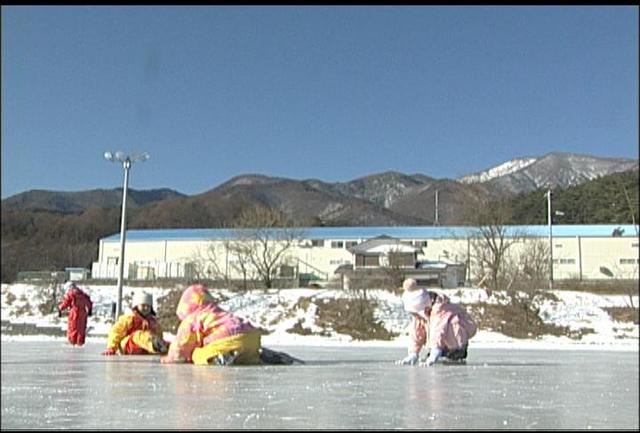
623 314
518 321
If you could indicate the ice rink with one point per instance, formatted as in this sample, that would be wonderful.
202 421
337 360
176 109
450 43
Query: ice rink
52 385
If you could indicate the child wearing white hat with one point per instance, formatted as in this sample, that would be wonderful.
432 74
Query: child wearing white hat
137 333
444 328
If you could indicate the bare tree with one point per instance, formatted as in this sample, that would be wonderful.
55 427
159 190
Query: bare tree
527 268
625 278
238 263
206 263
263 239
490 241
531 271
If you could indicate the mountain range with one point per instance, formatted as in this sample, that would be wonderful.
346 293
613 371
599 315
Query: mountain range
50 230
388 198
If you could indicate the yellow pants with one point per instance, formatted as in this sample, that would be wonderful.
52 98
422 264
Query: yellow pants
246 344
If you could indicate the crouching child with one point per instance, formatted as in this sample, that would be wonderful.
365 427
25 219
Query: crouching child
441 326
209 335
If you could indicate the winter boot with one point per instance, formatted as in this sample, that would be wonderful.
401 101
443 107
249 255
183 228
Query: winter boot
226 359
268 356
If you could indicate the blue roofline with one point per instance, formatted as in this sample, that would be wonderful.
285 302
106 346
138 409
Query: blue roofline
401 232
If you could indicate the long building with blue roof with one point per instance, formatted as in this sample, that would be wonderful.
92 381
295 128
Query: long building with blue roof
360 233
595 251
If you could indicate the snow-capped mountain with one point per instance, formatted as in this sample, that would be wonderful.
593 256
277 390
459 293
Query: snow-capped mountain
500 170
554 170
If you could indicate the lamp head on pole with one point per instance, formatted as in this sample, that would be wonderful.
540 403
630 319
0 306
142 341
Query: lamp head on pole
139 156
124 158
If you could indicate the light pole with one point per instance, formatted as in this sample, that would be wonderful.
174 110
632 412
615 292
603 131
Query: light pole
127 161
550 214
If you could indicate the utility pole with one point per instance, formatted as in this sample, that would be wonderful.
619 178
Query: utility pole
549 221
435 221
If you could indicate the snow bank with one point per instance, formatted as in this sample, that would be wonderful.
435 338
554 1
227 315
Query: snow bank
276 311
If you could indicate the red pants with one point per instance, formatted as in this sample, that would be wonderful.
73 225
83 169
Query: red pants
77 326
131 348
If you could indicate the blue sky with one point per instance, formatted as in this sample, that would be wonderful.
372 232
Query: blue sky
326 92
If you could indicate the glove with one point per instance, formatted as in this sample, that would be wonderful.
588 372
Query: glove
90 313
434 355
59 312
411 359
110 351
159 345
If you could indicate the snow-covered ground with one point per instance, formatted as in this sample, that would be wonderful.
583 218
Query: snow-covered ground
275 310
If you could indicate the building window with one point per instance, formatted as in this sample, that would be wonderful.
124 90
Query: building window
402 259
362 260
629 261
350 244
112 261
287 271
317 242
337 244
567 261
634 245
557 246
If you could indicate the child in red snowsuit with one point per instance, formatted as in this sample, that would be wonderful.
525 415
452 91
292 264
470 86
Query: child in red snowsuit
80 307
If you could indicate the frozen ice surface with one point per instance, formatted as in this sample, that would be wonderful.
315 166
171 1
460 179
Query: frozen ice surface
51 385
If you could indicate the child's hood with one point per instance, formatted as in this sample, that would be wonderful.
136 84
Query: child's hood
194 298
442 298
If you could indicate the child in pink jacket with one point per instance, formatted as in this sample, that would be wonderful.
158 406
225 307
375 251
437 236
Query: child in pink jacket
444 328
210 335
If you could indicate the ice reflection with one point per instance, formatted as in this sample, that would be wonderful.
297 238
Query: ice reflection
48 385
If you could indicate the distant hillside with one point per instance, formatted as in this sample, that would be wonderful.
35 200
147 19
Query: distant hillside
307 203
454 201
383 189
610 199
75 202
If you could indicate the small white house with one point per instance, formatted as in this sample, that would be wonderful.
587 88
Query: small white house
384 251
77 274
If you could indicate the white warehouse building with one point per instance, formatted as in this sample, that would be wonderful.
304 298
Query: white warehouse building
582 252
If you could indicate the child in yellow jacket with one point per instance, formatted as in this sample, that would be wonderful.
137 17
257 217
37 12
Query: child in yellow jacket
137 333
